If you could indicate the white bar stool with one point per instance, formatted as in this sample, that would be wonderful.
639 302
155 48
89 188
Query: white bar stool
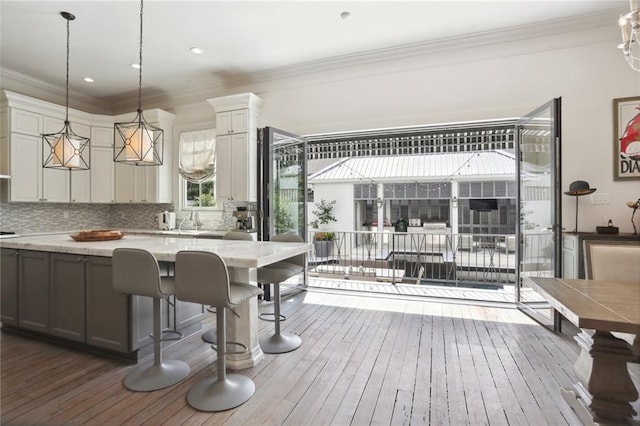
202 277
275 273
136 272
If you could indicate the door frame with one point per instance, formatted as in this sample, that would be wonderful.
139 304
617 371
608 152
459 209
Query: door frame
556 203
264 176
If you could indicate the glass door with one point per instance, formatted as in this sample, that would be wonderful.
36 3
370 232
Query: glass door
282 188
538 193
283 184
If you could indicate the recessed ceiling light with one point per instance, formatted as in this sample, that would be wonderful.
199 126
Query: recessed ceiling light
345 14
195 50
136 66
88 79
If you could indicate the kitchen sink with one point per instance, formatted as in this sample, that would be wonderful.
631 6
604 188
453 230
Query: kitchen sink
205 233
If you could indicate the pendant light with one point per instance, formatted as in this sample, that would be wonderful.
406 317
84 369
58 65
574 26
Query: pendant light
65 150
138 142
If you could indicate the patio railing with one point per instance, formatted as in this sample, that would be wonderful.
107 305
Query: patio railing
485 261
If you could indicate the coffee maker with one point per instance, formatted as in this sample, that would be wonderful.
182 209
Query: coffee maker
244 220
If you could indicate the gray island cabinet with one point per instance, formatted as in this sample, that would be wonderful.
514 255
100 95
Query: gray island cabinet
69 298
47 282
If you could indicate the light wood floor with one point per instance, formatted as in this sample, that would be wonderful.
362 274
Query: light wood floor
503 295
364 360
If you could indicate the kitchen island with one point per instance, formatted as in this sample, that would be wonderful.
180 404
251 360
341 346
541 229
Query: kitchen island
46 278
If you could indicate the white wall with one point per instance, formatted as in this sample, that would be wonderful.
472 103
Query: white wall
505 80
343 210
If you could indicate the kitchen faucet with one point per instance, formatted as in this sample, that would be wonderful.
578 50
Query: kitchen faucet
194 218
181 222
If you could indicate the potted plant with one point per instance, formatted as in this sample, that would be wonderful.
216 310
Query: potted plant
322 240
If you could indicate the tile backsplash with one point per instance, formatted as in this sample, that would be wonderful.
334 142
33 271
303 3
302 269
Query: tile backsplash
24 218
52 217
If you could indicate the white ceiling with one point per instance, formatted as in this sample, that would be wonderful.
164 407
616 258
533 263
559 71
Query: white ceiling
239 38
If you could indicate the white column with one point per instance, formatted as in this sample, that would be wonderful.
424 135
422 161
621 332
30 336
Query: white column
244 329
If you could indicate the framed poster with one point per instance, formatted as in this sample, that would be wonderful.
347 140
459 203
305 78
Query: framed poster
626 138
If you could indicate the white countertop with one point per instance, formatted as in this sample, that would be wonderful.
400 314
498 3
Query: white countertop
184 233
235 253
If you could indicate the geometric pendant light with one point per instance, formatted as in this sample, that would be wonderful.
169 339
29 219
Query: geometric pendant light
138 142
65 150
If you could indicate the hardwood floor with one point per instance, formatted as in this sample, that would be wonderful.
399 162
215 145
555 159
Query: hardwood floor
364 360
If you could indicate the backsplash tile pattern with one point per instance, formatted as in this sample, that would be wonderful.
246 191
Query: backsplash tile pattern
136 216
26 218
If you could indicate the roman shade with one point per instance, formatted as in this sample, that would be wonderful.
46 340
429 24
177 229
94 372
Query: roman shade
197 159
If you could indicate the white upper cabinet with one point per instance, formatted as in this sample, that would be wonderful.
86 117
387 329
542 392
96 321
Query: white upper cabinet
26 167
25 119
237 119
25 122
147 184
124 183
80 179
232 165
102 165
230 122
140 184
29 181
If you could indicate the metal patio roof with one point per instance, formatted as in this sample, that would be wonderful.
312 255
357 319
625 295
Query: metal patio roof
484 165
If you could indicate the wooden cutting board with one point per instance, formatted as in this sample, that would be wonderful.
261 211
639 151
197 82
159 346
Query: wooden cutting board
97 235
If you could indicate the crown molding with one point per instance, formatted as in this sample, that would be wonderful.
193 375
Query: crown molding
34 87
545 36
449 44
509 39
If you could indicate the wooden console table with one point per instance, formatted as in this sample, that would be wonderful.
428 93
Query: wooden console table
604 389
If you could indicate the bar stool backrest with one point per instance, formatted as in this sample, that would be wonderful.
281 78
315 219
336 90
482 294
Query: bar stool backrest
291 238
202 277
136 271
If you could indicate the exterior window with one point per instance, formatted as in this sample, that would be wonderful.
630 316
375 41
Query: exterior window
200 194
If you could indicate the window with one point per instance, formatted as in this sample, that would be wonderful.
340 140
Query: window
197 167
200 194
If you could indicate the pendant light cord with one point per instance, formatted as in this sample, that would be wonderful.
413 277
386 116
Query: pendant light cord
140 63
66 119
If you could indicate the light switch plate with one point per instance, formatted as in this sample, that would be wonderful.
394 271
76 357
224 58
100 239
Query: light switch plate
600 198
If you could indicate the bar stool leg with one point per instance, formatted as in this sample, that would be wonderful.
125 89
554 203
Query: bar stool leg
209 336
279 343
227 390
157 374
